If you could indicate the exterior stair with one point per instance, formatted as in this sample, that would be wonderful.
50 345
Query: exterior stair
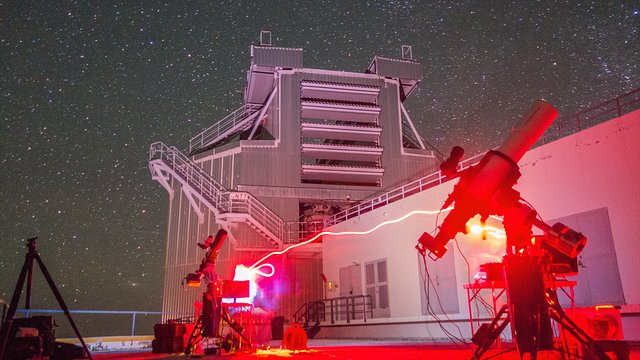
234 123
167 161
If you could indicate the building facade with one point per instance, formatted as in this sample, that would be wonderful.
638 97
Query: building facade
306 144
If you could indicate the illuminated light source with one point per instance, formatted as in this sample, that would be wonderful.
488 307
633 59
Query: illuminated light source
330 285
242 273
495 232
476 229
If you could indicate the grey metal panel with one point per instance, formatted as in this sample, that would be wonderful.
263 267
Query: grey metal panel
342 77
276 56
339 92
278 166
342 152
340 112
259 85
399 168
341 132
348 174
303 283
272 124
599 276
182 256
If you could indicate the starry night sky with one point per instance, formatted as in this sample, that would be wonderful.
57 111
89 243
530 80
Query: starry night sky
86 86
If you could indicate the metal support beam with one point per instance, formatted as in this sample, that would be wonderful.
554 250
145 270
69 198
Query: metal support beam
188 192
262 112
413 128
161 177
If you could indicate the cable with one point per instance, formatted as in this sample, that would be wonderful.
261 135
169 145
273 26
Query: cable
432 313
532 208
465 260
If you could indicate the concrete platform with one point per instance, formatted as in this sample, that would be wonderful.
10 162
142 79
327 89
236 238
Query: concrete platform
358 350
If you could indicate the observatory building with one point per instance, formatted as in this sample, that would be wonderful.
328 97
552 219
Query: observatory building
305 145
313 150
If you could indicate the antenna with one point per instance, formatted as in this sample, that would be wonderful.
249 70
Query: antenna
265 38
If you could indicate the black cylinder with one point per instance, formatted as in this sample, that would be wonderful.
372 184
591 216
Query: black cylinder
277 328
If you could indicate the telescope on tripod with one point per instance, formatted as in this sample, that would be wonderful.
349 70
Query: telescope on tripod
487 189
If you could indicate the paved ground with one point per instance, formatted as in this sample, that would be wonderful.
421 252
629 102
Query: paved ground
356 350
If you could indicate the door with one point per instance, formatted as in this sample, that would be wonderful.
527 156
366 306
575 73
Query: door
377 286
350 285
598 274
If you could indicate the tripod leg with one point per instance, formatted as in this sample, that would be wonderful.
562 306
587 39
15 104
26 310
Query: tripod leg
226 318
196 335
27 301
6 327
561 318
56 293
491 334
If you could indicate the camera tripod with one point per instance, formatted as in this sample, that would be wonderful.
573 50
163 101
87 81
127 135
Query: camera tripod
27 274
531 307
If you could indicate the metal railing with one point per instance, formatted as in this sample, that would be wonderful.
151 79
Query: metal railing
192 174
593 115
90 327
396 194
236 121
350 308
222 200
310 312
245 203
343 308
297 231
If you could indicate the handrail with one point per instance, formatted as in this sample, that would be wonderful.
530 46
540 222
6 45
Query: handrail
133 314
244 202
222 200
222 127
311 311
348 306
193 174
353 306
593 115
297 231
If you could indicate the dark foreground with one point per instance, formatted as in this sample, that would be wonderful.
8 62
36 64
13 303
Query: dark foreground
356 350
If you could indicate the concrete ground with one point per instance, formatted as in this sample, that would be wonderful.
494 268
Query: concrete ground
356 350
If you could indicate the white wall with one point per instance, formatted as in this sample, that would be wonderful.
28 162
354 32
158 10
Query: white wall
596 168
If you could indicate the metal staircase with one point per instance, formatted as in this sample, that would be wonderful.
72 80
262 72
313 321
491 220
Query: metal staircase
228 206
234 123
